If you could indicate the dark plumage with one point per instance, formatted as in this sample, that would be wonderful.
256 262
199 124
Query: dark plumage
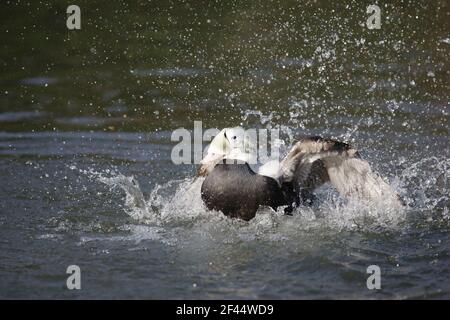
238 192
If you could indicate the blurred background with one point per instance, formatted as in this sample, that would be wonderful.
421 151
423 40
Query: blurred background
157 65
86 118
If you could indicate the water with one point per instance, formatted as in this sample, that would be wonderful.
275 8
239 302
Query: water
85 124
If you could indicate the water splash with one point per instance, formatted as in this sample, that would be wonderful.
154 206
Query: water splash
134 200
426 185
181 213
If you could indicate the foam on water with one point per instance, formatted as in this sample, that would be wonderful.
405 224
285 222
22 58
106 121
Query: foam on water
176 210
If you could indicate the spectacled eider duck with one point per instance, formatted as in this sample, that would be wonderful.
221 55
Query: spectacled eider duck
237 187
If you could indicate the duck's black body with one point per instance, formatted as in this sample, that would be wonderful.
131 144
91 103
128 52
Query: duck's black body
238 192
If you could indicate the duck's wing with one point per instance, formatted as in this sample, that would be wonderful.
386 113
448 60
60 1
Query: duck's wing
313 161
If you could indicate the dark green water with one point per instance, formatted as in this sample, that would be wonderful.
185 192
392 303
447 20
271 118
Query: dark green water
81 112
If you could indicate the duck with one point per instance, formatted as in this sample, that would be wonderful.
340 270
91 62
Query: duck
236 184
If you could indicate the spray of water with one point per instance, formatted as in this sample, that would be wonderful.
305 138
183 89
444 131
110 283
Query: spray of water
424 193
177 205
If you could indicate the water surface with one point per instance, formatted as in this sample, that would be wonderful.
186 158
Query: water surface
85 123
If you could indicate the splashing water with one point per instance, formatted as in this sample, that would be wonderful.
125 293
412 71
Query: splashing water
423 192
426 185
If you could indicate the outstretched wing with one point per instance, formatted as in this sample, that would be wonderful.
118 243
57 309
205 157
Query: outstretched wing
313 161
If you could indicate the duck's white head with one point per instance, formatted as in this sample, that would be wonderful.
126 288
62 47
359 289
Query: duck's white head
230 144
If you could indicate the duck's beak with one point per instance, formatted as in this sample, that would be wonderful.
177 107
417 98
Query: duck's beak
208 163
217 150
